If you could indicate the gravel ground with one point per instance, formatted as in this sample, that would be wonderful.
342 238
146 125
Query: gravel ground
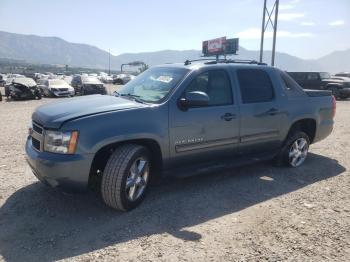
252 213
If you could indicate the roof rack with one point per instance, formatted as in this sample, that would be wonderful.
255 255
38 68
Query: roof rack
188 62
244 61
225 61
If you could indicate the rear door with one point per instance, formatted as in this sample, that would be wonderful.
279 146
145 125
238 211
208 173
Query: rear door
260 111
209 132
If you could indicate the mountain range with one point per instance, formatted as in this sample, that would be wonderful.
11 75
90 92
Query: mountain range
54 50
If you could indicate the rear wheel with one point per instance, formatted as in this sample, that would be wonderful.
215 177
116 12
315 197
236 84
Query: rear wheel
335 92
295 150
126 176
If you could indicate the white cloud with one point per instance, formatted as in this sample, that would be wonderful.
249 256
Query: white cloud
336 23
289 16
285 7
255 33
307 23
289 5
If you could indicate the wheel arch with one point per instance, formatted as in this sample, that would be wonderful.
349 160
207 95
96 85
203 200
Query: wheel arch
102 155
306 125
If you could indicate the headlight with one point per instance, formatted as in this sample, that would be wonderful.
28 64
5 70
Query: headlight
60 142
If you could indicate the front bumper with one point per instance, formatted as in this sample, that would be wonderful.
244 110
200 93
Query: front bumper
63 93
69 172
95 92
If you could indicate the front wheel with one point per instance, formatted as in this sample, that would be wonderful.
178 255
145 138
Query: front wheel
126 176
295 150
38 94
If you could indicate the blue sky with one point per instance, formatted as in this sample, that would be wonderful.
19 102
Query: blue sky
307 28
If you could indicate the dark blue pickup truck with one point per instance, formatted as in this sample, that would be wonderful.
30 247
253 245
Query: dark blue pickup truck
176 119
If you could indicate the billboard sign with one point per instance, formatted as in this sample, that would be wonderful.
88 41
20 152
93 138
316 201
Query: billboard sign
214 46
232 46
220 46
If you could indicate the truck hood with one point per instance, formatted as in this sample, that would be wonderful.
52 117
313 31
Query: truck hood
55 114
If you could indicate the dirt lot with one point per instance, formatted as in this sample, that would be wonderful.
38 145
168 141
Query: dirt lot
246 214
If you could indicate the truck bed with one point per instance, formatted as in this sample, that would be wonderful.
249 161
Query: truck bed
316 93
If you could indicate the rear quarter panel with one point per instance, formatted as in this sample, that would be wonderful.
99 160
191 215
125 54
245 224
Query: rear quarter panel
302 106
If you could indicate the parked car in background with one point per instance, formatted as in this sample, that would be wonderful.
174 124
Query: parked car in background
176 120
22 88
88 85
2 80
67 79
105 78
339 86
343 74
11 77
122 79
55 88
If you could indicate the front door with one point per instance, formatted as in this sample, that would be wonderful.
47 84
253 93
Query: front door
208 132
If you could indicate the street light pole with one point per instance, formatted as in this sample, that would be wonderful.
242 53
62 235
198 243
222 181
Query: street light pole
262 33
109 62
274 34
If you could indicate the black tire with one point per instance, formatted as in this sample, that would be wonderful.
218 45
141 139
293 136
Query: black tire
283 158
38 94
113 185
50 94
344 97
335 92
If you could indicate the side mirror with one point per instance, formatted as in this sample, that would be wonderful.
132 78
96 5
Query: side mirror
194 99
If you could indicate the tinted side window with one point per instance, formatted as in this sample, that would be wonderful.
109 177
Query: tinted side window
298 76
215 84
312 76
255 86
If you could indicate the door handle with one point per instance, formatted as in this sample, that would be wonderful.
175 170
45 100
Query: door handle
228 116
270 112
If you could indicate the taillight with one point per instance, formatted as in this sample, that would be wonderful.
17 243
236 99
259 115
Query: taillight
334 106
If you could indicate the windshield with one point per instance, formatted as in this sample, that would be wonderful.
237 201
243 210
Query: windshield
90 80
154 84
324 75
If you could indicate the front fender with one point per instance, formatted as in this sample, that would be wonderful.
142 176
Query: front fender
98 131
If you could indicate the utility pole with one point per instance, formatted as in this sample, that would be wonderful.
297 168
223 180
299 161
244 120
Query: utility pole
268 14
109 62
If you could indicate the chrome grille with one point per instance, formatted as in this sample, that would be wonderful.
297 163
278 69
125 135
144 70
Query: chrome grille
37 128
37 137
36 144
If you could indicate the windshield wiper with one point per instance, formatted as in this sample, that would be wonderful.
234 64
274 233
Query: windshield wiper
135 97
